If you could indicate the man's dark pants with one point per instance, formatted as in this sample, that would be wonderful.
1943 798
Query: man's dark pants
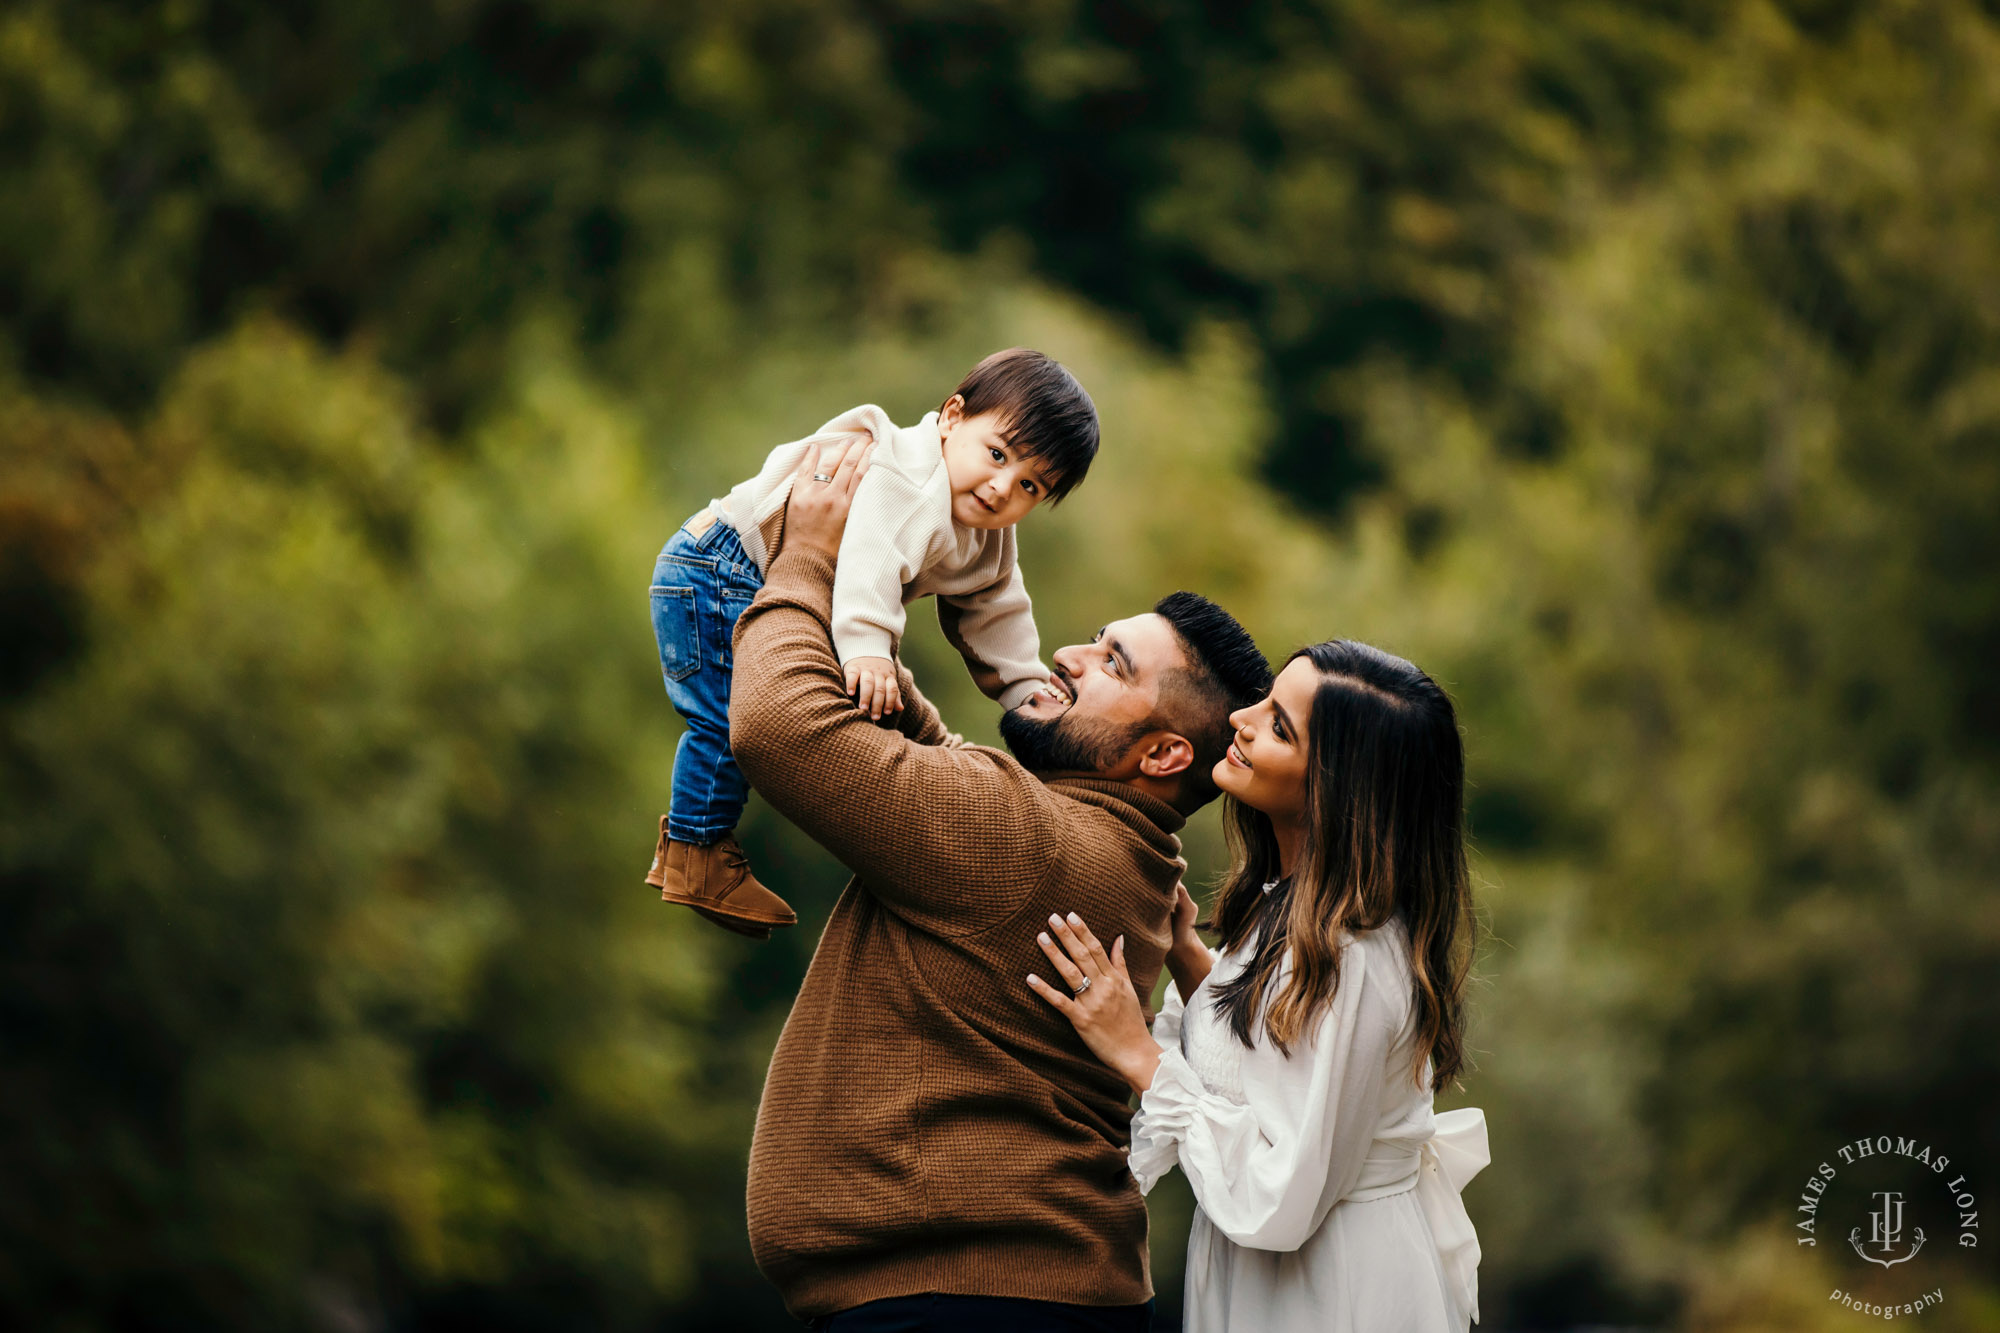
985 1314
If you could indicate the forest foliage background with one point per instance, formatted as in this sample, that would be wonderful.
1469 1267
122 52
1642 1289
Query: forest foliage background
1631 366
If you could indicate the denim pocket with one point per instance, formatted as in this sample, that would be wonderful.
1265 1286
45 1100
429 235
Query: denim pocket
734 604
678 629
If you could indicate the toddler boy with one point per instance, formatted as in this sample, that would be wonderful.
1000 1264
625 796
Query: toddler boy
933 516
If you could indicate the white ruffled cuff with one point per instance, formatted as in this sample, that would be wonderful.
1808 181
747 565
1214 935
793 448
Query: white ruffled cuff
1166 1110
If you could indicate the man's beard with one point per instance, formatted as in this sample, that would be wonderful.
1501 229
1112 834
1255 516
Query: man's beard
1066 744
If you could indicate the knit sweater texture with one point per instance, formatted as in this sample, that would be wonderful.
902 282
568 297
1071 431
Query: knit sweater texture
928 1123
900 545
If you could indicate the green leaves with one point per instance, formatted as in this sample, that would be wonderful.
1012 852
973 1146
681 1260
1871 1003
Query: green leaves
318 816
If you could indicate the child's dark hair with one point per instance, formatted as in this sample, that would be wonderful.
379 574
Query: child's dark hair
1048 414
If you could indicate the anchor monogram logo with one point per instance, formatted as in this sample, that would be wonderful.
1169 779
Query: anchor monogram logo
1885 1231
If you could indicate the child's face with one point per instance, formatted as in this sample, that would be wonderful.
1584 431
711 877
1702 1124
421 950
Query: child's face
992 484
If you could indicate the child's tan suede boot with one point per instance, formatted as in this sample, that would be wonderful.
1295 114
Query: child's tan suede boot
715 880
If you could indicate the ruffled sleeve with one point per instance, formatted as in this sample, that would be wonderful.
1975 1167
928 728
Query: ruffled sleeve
1153 1155
1267 1171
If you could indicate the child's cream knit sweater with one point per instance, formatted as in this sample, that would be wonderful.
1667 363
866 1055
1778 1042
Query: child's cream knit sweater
901 544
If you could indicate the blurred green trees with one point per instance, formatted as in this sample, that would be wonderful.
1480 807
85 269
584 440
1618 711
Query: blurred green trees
1628 366
320 943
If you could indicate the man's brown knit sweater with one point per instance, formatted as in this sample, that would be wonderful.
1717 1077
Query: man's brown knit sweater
929 1124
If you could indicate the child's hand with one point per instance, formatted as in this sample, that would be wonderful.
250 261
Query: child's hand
871 683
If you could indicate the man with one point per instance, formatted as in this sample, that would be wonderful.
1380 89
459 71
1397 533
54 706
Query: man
935 1146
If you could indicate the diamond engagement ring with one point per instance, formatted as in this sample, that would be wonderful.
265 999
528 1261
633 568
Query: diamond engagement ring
821 476
1078 992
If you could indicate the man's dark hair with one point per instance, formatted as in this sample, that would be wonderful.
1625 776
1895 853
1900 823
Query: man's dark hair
1047 413
1225 671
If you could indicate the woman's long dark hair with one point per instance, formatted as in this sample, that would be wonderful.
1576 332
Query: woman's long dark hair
1384 838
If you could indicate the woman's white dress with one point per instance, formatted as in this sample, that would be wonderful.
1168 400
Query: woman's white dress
1328 1190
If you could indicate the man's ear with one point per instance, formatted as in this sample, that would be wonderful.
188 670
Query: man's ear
1166 753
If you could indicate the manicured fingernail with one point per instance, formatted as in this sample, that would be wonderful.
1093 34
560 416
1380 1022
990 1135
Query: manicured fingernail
1054 920
1043 937
1075 920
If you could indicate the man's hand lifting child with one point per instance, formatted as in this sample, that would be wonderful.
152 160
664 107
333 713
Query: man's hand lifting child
815 517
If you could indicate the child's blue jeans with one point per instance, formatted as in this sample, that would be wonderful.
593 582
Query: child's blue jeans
701 584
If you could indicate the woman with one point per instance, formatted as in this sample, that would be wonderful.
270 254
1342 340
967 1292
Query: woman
1290 1074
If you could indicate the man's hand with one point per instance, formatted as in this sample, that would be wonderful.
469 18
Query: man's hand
871 683
816 513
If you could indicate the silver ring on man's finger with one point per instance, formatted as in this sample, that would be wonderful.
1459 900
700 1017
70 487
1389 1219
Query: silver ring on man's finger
1078 992
821 476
